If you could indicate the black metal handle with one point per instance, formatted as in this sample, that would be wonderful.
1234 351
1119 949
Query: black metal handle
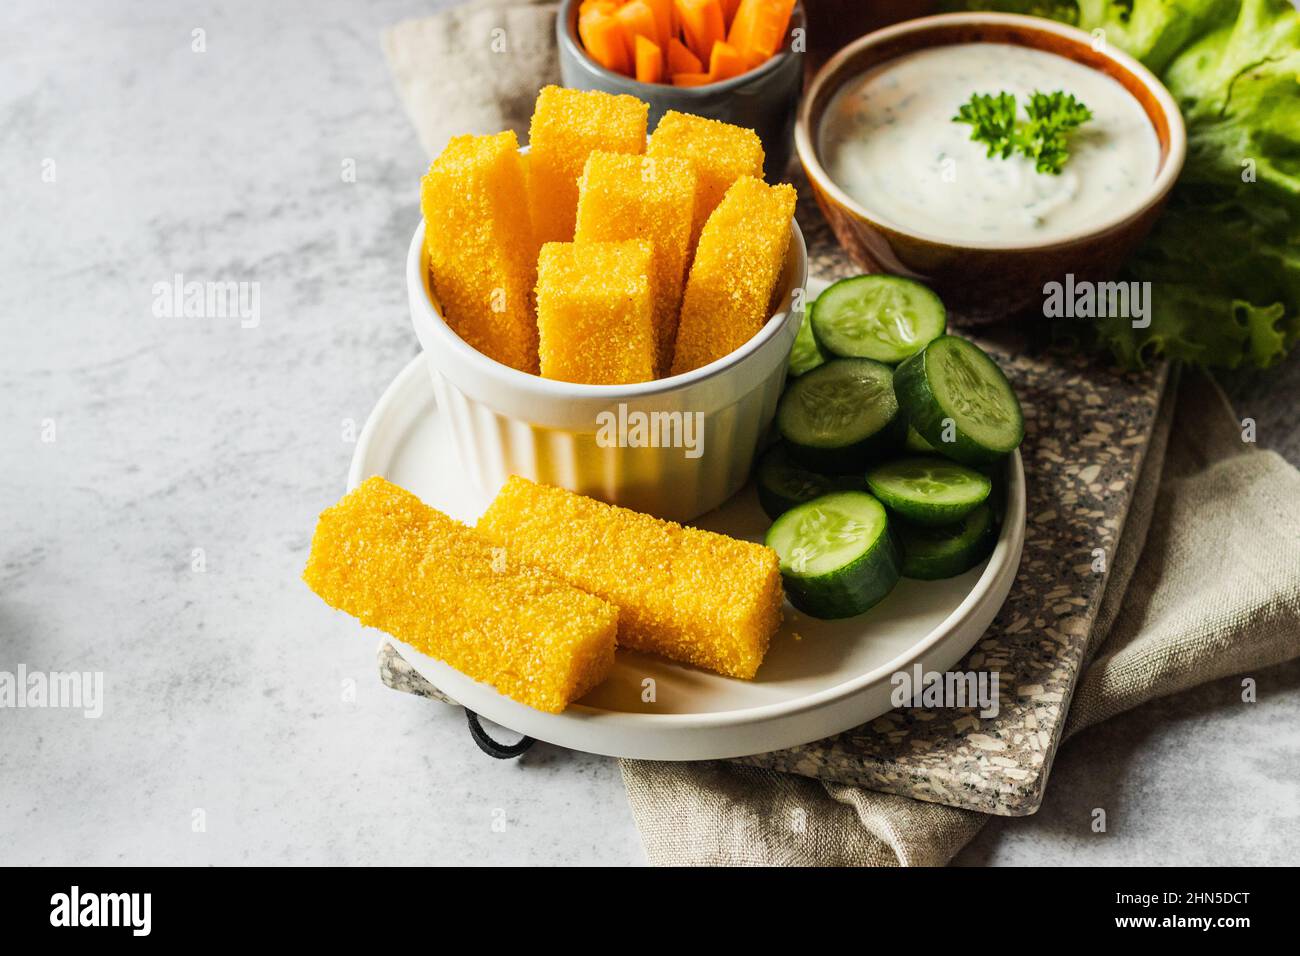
491 747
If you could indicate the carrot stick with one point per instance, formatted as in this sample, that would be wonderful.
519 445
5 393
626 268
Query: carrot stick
681 59
603 39
649 61
725 61
691 79
760 25
663 11
702 25
637 20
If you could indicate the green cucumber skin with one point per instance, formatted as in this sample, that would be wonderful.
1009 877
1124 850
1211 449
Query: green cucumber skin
805 354
851 459
927 513
997 499
932 516
914 441
936 567
827 346
854 588
775 504
925 414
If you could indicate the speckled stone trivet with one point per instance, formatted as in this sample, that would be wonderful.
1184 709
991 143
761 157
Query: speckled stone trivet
1088 428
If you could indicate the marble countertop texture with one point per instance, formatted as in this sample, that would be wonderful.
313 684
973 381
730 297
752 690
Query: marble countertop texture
158 537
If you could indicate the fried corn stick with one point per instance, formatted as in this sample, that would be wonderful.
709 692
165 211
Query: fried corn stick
482 256
691 595
737 266
394 563
720 153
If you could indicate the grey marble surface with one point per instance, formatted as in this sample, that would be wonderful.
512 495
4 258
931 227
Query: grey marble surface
233 697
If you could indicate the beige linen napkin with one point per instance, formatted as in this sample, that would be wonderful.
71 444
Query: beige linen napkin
1213 589
475 68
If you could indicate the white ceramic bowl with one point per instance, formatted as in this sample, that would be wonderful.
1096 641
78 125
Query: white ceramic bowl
503 421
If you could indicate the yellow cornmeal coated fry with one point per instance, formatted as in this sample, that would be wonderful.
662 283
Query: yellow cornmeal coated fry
595 315
482 256
736 268
394 563
638 197
688 594
720 152
566 126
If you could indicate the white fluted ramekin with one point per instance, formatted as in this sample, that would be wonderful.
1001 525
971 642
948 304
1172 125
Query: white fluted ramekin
505 422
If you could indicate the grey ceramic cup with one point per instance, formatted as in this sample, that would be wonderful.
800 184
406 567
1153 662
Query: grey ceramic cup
764 99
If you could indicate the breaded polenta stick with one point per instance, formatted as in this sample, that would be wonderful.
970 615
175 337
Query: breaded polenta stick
595 312
566 126
719 152
394 563
482 255
736 269
688 594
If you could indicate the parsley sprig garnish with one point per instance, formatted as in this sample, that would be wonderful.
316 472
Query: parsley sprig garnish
1044 137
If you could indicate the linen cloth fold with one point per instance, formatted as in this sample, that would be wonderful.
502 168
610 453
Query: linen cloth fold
1205 582
474 68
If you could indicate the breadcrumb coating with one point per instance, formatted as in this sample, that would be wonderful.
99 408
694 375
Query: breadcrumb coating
595 314
720 152
482 254
621 197
737 265
394 563
566 126
691 595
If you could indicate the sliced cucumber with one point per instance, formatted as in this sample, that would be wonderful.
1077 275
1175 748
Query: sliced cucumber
914 441
782 484
929 491
886 318
839 417
806 354
931 552
958 400
837 555
996 472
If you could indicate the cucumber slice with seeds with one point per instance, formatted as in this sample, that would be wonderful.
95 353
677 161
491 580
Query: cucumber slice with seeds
881 317
805 354
837 556
944 551
958 400
929 491
782 484
839 417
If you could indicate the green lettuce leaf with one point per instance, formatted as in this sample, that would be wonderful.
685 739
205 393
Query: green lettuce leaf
1151 30
1224 259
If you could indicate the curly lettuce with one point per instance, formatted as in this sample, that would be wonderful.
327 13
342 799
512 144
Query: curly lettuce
1224 259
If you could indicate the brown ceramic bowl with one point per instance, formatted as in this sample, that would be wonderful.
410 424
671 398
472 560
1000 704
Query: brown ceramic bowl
987 281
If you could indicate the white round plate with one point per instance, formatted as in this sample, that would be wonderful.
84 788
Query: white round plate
819 678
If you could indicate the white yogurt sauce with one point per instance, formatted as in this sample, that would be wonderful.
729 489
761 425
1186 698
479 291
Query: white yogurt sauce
888 140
